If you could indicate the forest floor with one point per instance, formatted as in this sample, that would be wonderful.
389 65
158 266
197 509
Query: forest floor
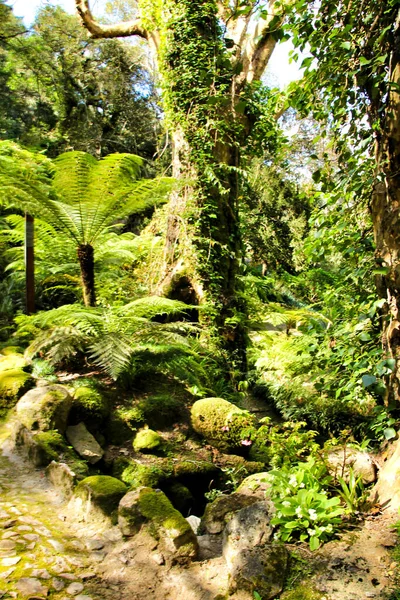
45 552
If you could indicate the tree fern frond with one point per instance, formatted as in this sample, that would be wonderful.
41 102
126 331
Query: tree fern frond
59 344
112 352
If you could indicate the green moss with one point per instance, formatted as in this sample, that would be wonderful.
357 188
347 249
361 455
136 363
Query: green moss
136 475
104 491
51 443
194 467
155 506
147 440
7 350
123 423
180 496
89 406
13 384
161 411
12 361
223 424
302 592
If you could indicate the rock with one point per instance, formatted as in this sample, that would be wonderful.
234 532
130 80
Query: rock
83 597
194 523
387 489
96 544
39 447
89 406
27 586
221 423
45 408
218 511
210 546
248 528
261 569
74 588
255 485
341 460
177 541
147 440
13 383
100 492
41 573
58 584
84 443
62 477
9 562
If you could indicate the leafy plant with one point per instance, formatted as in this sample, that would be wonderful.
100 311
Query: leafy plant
303 508
353 492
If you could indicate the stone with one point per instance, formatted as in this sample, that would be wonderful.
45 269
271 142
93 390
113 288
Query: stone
7 545
248 528
341 460
27 586
217 512
99 493
58 584
147 440
9 562
194 523
41 573
95 544
221 423
255 485
74 588
387 488
84 443
32 537
260 569
45 408
83 597
58 546
62 477
210 546
177 541
6 574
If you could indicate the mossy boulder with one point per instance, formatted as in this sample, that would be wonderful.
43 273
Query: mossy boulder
147 440
303 592
136 475
13 384
45 408
145 505
161 410
255 485
12 361
218 512
7 350
89 406
101 491
222 424
123 423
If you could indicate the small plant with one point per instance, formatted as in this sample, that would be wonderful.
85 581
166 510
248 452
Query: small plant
42 369
303 508
353 492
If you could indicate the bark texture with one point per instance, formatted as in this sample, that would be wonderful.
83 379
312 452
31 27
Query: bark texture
386 219
86 262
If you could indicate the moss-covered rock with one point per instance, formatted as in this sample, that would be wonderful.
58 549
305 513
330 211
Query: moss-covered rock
123 423
89 406
166 524
7 350
102 491
147 440
255 485
12 361
136 475
222 424
51 443
161 411
45 408
303 592
14 383
217 512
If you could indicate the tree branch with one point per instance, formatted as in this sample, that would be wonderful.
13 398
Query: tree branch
108 31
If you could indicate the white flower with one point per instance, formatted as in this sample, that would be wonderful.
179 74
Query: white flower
299 511
313 514
301 485
293 480
285 503
276 536
311 532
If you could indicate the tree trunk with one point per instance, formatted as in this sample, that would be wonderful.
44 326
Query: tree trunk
86 262
386 219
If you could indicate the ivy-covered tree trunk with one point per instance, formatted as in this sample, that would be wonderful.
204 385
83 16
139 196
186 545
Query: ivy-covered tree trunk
386 219
86 263
209 53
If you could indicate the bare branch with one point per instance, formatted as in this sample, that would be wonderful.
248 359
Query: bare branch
108 31
260 56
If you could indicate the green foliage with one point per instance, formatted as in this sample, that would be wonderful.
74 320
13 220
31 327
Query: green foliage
353 492
42 369
89 405
303 508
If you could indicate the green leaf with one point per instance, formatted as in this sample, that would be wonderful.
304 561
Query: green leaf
368 380
346 45
389 433
314 543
